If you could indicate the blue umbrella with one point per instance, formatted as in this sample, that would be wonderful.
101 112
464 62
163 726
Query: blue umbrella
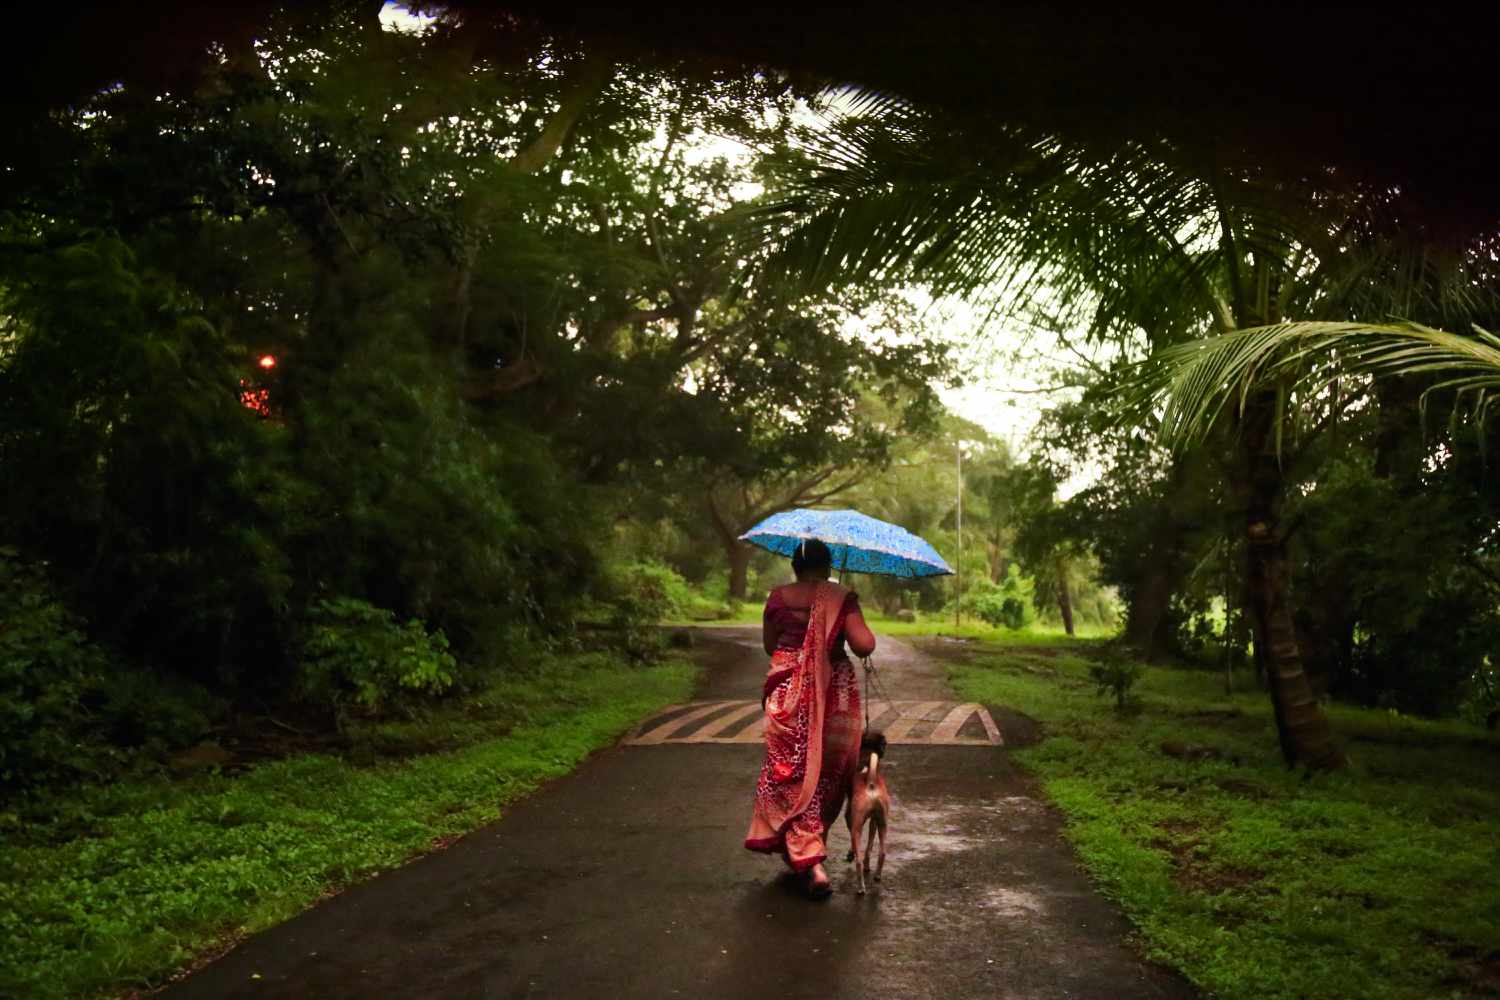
859 544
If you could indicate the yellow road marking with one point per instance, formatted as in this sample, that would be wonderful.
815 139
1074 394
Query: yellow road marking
660 733
910 716
906 717
721 726
954 720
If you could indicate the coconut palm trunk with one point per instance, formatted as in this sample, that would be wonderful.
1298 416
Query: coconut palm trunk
1301 726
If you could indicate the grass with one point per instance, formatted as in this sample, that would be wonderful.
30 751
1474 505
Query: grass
749 613
969 628
129 883
1255 881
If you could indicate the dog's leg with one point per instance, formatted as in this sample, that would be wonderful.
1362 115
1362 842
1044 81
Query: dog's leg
870 842
854 832
849 819
880 828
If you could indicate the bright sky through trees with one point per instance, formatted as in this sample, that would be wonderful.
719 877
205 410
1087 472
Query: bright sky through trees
1013 372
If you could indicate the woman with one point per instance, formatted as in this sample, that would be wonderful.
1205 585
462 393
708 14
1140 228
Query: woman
812 714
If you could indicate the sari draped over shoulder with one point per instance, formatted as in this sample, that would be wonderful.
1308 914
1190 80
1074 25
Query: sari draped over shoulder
812 733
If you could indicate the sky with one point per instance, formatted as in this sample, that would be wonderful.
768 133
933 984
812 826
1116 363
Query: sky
1013 381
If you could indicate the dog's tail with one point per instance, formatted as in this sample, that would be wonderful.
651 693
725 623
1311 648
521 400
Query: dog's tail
874 744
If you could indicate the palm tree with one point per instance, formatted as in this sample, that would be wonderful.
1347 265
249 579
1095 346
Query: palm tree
1132 240
1200 382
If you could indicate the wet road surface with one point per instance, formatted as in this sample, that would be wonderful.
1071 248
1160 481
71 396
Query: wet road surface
627 879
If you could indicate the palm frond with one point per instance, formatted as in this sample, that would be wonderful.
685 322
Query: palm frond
1199 383
1134 239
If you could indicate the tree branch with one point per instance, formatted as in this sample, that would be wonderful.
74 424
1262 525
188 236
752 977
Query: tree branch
338 224
602 335
588 82
800 495
722 528
515 376
694 348
828 494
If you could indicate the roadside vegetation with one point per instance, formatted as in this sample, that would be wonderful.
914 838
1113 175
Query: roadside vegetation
115 887
1256 880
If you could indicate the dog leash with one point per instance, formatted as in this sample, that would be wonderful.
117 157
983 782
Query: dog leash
872 678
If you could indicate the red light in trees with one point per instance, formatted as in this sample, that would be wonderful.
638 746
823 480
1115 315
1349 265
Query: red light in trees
258 399
267 361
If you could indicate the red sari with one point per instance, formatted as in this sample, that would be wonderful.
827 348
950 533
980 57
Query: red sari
812 733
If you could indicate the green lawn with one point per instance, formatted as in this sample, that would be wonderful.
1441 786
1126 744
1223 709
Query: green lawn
748 613
970 628
1255 881
121 886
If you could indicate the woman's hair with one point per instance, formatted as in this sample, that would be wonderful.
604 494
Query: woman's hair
811 554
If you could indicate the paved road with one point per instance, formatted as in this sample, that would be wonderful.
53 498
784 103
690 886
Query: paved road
627 879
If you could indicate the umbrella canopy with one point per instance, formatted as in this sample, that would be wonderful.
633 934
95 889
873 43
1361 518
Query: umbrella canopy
860 544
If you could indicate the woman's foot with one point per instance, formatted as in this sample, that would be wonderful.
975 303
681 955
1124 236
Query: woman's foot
818 885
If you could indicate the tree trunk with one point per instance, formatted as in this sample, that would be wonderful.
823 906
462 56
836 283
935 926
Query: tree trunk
1301 725
1148 608
739 568
1064 599
1163 561
996 556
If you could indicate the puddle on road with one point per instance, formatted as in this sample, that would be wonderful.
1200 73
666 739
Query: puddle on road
1019 813
1008 902
923 833
947 876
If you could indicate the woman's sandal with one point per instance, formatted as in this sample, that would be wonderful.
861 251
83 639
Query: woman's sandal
818 889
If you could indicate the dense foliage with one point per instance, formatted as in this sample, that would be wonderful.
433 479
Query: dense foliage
324 376
470 330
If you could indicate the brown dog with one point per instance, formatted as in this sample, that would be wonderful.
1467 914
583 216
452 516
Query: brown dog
869 802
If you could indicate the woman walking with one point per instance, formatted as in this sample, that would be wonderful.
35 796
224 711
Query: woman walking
813 722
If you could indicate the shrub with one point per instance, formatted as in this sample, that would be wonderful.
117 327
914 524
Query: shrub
47 667
977 593
135 708
650 591
1115 673
996 609
357 654
704 610
640 595
1006 604
989 607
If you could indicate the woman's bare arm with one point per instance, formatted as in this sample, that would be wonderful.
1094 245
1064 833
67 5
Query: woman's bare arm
770 632
861 639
